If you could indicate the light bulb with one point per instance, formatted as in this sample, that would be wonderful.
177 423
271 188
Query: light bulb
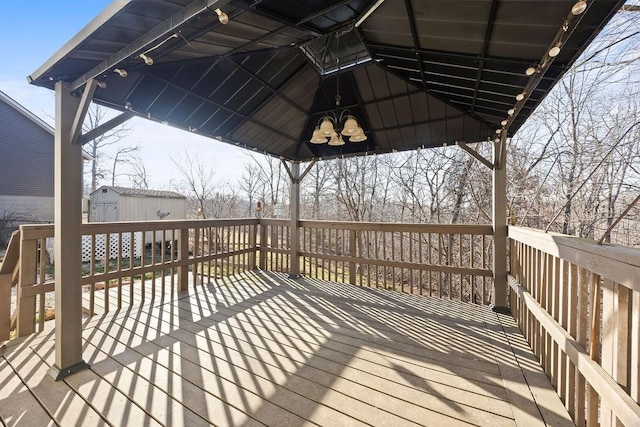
360 137
498 131
554 51
327 126
318 137
579 7
147 59
511 111
102 85
222 17
504 122
530 71
350 126
335 140
121 72
520 96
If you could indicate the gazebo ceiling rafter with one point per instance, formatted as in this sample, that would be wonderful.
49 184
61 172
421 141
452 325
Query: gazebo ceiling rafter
219 80
222 107
266 85
268 99
485 47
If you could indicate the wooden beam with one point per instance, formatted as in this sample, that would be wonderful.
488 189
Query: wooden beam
286 167
499 208
475 154
81 112
68 242
294 226
307 170
106 127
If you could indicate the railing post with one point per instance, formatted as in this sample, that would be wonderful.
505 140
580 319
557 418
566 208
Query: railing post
500 224
183 254
70 112
294 226
352 254
253 236
5 306
26 308
263 246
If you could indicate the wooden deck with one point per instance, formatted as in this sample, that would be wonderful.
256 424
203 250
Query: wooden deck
260 348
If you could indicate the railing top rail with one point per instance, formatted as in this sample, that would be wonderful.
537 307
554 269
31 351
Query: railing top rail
394 226
34 231
620 264
11 255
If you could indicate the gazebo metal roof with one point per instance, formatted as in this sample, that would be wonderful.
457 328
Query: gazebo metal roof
415 73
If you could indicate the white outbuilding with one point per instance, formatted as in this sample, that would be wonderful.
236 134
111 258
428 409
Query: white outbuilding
109 204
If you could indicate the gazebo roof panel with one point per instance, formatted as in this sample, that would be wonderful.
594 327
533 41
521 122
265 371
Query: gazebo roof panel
413 73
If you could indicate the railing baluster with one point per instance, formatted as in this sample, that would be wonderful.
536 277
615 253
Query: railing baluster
132 247
92 273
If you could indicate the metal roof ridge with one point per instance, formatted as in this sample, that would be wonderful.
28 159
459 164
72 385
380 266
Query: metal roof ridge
141 191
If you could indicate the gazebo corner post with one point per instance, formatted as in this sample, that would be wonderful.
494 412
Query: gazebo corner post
499 206
294 226
294 207
69 114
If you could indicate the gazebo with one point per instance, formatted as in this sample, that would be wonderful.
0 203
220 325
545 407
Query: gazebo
308 81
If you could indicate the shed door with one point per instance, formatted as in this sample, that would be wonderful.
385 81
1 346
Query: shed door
105 212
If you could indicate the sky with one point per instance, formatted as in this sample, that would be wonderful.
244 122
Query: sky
34 30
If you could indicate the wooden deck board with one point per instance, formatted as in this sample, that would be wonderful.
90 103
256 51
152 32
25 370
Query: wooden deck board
259 348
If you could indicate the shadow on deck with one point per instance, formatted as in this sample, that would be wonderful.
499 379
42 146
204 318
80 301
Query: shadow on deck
259 348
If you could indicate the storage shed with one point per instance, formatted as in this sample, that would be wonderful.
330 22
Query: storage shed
109 204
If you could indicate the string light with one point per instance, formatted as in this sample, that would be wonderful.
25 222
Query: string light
147 59
222 17
579 7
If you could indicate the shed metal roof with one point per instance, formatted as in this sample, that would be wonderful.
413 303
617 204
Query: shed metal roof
415 73
139 192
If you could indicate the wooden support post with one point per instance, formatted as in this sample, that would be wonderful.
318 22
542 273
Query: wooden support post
294 226
5 306
183 254
68 234
263 246
352 254
500 224
253 236
26 308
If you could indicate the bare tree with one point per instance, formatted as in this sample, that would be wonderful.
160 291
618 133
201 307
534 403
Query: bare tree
124 155
96 147
251 186
138 174
273 181
199 181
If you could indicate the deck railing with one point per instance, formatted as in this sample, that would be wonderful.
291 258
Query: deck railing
147 259
578 304
446 261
